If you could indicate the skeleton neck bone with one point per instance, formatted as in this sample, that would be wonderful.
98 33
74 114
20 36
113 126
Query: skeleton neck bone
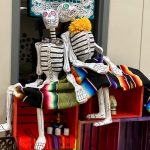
52 34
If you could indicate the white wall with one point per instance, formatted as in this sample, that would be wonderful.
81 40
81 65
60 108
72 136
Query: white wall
124 34
5 56
145 47
129 33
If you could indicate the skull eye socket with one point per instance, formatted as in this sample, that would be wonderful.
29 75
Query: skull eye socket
66 6
45 14
53 13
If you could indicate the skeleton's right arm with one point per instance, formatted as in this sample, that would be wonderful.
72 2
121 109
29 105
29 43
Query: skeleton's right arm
38 68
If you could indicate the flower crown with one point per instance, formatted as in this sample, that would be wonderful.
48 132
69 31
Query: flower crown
78 25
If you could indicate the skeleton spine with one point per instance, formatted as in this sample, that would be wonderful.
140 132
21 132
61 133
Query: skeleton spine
53 33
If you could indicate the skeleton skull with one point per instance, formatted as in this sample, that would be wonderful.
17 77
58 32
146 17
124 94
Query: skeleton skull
50 18
66 12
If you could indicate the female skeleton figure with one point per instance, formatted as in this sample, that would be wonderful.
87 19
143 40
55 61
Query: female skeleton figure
81 46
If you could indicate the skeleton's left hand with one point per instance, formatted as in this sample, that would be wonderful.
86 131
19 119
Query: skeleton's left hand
97 67
81 95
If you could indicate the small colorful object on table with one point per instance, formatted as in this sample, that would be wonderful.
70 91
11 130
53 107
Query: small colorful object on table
147 105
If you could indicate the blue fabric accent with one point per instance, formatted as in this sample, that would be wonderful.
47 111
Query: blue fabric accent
88 87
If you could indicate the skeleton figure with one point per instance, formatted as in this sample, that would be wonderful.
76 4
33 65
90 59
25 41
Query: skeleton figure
81 46
50 61
100 68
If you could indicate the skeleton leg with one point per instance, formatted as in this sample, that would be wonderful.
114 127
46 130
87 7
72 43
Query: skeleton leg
101 113
41 141
108 119
7 126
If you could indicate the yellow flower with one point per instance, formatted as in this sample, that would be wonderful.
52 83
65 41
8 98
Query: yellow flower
78 25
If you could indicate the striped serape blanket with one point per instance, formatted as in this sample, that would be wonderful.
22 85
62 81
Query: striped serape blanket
92 81
61 95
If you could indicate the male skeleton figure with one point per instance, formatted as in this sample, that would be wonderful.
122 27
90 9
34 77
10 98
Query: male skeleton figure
50 61
50 66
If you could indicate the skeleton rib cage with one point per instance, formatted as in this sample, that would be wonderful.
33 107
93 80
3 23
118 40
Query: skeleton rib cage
83 45
51 57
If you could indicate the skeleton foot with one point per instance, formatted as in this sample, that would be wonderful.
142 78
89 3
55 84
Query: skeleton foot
108 119
40 143
81 95
94 116
103 122
5 127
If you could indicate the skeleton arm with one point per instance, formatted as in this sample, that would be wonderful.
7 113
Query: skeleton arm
81 95
98 49
38 68
66 67
114 69
97 67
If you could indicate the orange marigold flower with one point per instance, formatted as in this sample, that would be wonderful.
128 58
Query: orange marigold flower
78 25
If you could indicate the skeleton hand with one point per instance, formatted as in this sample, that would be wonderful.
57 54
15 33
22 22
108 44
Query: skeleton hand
35 84
40 143
97 67
81 95
115 70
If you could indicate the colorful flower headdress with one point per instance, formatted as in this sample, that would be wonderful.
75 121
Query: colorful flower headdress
79 25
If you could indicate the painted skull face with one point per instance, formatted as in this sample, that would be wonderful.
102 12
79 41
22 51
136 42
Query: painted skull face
66 12
50 18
